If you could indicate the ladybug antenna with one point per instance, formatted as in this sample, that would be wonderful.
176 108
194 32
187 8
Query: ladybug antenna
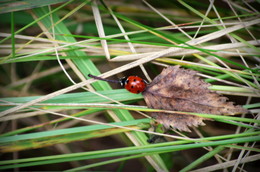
102 79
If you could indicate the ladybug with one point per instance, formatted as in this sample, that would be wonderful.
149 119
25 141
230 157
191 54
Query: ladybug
133 84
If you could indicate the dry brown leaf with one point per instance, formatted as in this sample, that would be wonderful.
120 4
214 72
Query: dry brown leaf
180 89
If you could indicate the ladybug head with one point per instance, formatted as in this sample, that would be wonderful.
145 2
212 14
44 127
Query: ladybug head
123 81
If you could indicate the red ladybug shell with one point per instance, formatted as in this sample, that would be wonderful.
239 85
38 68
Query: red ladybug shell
134 84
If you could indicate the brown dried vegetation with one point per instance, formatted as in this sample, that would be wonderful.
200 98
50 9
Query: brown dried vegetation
180 89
